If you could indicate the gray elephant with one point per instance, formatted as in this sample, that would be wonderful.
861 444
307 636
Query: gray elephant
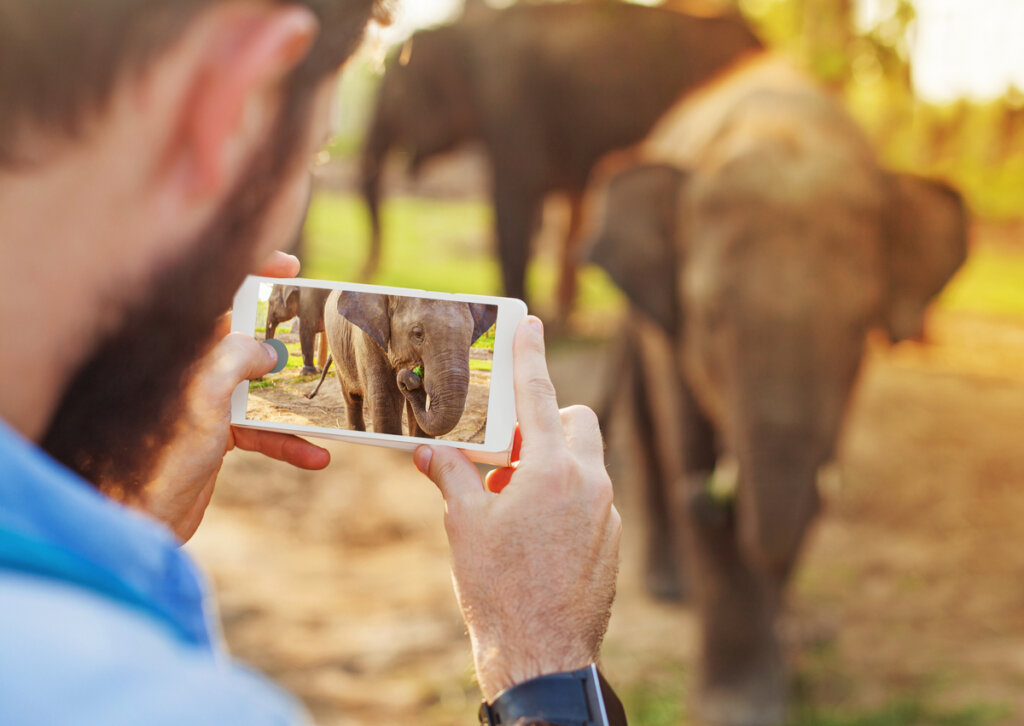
394 352
289 301
754 276
548 90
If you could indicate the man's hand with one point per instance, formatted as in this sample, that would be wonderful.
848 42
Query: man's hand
184 483
534 566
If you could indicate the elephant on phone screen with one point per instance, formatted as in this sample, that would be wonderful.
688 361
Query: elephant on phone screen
394 352
289 301
754 276
548 90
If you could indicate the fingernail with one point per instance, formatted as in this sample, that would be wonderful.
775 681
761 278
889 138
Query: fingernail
536 324
421 458
271 352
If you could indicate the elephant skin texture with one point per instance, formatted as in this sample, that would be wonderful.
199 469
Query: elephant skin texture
395 352
548 90
289 301
755 266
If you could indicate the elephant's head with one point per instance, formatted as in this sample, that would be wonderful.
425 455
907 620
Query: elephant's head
427 343
424 107
282 305
768 274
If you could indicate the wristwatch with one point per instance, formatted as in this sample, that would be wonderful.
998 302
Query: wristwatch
578 698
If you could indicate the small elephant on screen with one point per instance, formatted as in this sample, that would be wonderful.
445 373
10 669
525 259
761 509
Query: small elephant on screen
393 351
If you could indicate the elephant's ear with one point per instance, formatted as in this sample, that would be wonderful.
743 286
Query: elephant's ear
369 312
926 235
484 316
291 294
636 239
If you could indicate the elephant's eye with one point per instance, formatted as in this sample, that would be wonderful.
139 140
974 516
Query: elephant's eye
417 334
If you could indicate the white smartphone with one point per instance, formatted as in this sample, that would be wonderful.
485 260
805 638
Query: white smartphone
392 367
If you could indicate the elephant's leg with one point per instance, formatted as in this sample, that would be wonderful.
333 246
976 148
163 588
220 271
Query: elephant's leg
742 674
386 408
321 359
307 335
516 211
663 572
353 403
567 283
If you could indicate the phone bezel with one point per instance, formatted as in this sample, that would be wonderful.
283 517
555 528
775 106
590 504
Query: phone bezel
501 415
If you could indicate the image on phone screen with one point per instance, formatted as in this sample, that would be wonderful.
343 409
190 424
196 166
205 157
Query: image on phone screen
383 363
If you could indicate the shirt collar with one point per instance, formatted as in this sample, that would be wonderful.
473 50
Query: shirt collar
55 524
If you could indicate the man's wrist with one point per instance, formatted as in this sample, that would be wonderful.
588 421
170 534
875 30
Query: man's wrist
500 668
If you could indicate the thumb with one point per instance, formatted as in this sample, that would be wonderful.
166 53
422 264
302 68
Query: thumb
451 471
237 358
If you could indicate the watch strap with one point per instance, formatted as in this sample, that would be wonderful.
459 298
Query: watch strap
576 698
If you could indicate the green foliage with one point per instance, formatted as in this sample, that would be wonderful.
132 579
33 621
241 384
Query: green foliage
976 146
476 364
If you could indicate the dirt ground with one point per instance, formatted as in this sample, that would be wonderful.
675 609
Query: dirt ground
337 585
286 402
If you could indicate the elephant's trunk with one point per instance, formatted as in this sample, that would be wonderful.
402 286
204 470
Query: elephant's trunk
439 398
271 330
378 143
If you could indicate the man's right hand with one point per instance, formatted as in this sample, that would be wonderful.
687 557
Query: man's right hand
534 566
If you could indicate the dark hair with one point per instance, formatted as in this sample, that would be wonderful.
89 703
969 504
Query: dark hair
60 59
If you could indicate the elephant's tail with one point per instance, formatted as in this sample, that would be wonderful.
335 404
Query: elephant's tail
323 377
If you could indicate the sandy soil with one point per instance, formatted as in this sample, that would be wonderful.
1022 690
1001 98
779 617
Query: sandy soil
337 584
286 402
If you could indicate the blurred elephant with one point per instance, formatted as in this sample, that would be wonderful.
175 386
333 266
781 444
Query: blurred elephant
754 276
548 90
392 350
289 301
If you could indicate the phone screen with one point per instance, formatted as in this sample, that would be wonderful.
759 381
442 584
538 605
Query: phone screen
384 363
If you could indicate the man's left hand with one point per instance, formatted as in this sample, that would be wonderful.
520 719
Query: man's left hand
184 484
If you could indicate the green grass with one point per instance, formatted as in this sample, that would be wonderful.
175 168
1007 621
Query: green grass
658 700
902 712
991 282
486 341
479 365
432 245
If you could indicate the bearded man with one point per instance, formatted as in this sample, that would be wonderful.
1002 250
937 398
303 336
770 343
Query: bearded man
152 153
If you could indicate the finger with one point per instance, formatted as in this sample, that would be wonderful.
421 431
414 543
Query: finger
583 434
238 357
498 479
283 447
451 471
536 403
279 264
223 326
517 445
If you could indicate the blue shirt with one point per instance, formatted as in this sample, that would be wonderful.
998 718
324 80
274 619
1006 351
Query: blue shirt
103 618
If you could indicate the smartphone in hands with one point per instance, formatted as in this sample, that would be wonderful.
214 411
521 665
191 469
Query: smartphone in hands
383 366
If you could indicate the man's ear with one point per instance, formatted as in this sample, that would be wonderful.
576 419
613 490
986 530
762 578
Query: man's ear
234 93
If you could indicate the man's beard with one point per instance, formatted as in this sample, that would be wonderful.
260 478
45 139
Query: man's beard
122 406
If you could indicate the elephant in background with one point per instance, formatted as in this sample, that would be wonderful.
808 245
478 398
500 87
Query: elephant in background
754 275
394 351
289 301
548 90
